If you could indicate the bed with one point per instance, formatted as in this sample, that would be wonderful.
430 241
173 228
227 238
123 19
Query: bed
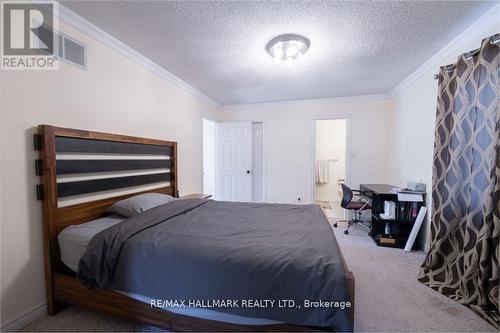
205 241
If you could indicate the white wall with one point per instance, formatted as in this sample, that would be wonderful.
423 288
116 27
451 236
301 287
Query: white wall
114 95
288 142
331 145
413 116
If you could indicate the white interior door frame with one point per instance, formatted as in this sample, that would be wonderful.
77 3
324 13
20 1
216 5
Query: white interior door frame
348 118
257 162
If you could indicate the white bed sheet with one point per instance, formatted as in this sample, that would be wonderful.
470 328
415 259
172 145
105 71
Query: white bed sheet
74 239
73 242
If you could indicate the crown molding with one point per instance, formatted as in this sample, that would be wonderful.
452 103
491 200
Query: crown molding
79 23
284 104
481 26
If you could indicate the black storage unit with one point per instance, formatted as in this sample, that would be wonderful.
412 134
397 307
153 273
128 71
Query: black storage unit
401 226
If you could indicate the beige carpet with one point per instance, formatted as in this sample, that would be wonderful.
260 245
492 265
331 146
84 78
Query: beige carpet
388 297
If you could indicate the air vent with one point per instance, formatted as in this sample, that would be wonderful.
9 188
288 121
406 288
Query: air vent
72 51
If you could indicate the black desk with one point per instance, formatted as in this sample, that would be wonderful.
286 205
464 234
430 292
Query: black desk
378 189
401 226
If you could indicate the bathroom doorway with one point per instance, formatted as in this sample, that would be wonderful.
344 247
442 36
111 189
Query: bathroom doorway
330 164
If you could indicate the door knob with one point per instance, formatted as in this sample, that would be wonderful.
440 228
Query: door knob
248 172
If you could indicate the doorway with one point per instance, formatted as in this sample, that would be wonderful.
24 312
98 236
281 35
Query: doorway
233 160
257 162
330 164
209 156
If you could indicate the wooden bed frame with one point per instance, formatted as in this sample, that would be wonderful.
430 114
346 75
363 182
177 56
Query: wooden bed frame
62 287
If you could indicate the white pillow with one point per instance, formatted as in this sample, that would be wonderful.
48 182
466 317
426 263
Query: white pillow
138 204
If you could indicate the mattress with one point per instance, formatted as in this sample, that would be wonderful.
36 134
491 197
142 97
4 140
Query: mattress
74 239
73 242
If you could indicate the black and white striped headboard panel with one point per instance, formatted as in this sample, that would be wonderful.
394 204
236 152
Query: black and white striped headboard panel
86 166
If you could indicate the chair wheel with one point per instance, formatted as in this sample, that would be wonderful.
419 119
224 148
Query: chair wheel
346 232
335 225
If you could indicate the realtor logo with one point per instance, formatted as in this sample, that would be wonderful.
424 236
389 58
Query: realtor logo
28 38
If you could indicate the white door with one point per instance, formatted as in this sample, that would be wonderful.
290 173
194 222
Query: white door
236 164
257 163
209 156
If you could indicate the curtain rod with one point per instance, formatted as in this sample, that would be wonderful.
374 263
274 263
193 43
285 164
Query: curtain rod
471 54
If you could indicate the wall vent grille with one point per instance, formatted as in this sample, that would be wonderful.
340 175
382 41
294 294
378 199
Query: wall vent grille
72 51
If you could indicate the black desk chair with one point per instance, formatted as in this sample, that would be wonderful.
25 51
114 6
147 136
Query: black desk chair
357 206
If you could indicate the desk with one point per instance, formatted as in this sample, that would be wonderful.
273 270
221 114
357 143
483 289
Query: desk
401 226
378 189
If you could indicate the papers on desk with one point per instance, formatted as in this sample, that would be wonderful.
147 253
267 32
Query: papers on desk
395 190
413 197
406 195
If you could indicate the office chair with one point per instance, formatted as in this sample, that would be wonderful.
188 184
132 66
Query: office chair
357 206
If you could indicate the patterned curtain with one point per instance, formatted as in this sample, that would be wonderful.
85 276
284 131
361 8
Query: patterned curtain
463 259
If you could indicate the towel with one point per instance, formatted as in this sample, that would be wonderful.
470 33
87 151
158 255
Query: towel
322 171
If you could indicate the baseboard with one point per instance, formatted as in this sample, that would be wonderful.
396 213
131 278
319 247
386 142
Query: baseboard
28 317
331 200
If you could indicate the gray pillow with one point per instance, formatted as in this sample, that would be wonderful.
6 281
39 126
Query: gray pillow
140 203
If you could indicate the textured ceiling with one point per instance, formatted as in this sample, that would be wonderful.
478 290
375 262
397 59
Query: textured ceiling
357 48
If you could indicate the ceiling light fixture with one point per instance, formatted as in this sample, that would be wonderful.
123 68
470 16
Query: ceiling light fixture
288 47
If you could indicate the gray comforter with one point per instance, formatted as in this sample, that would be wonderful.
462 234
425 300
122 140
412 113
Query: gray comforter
198 249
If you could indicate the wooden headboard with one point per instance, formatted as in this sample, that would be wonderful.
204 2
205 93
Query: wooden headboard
144 157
